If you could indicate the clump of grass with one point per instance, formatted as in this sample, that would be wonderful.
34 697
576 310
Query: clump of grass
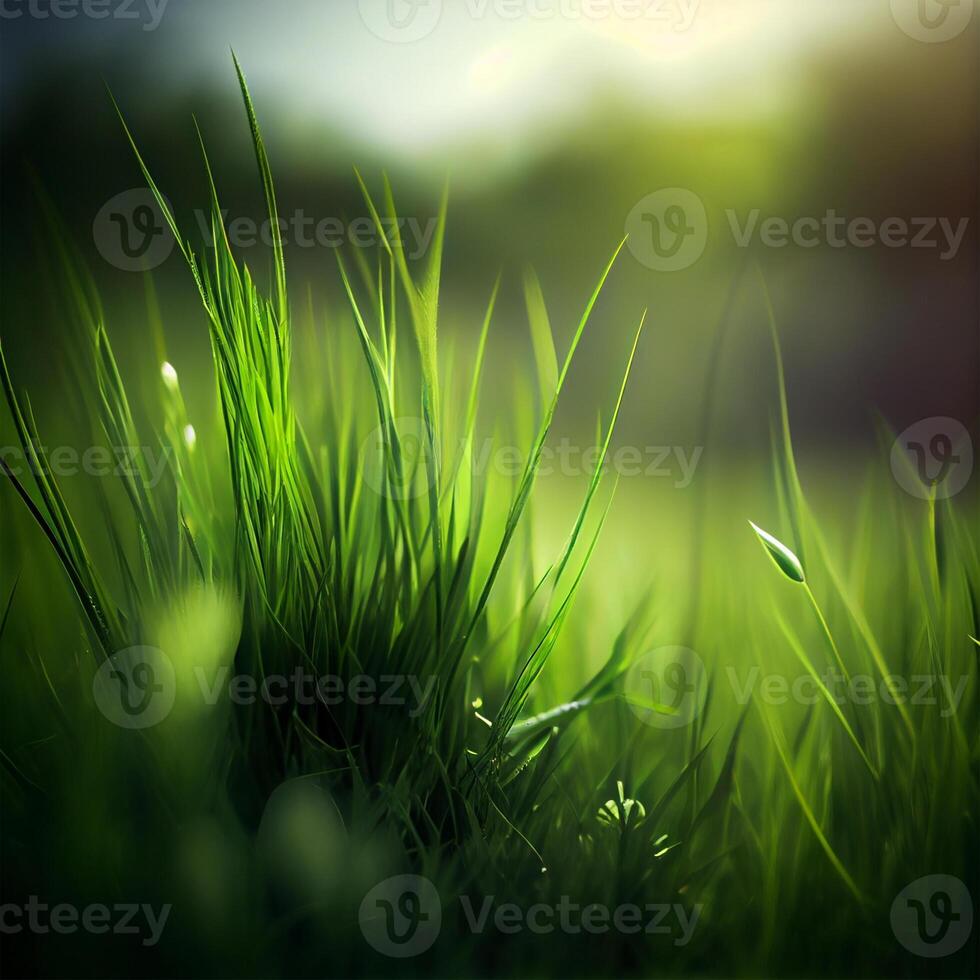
335 576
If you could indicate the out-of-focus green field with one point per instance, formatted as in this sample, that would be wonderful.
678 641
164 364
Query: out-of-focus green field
671 725
377 469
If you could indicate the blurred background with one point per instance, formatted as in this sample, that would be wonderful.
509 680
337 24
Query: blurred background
827 151
552 119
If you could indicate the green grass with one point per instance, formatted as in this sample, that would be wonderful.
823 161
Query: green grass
327 518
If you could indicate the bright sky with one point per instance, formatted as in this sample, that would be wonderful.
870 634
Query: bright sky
481 70
415 76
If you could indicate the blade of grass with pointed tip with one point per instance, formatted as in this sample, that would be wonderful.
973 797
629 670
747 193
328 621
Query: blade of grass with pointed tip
601 459
795 489
782 557
527 479
542 339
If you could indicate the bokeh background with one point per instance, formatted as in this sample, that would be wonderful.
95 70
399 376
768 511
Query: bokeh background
555 123
551 128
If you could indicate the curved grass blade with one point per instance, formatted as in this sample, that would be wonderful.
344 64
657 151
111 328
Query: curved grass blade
781 752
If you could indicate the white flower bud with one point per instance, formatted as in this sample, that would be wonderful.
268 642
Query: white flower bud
169 374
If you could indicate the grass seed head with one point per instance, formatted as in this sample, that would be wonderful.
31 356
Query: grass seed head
169 374
784 559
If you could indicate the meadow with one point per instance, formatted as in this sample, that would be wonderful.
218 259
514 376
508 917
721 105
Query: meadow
328 685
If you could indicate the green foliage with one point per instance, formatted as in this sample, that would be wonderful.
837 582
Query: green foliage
336 526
